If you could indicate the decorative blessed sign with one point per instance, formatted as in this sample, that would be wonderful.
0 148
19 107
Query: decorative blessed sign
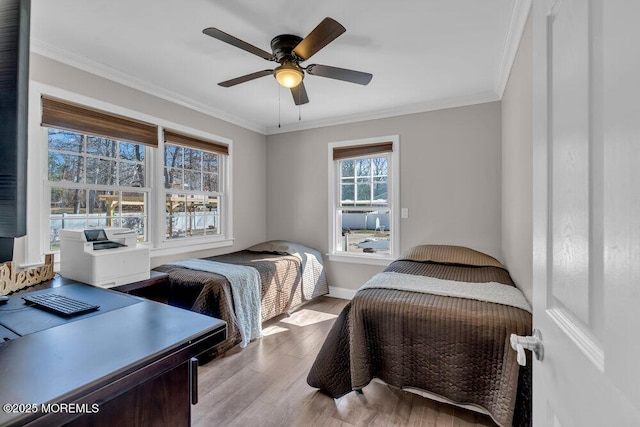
13 278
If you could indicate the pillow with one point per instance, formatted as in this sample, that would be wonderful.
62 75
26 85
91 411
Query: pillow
282 247
447 254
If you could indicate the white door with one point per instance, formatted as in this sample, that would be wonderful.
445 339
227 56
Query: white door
586 198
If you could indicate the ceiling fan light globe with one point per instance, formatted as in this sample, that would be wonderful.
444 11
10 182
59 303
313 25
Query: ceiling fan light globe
288 75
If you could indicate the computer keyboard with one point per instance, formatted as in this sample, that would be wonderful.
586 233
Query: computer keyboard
60 304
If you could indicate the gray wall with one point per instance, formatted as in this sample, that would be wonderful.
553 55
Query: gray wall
517 185
450 181
452 164
249 148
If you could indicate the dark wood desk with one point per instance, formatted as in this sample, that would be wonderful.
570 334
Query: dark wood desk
127 366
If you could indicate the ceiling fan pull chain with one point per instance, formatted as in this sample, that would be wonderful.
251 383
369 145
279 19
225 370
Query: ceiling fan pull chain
299 113
279 108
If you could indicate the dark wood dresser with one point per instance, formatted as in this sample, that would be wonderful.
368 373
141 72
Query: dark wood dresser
155 288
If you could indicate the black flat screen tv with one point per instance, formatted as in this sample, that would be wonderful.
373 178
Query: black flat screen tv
14 85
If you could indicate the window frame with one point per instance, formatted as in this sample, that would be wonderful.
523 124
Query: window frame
219 193
163 246
36 243
393 188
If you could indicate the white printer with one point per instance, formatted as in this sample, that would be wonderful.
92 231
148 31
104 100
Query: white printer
103 257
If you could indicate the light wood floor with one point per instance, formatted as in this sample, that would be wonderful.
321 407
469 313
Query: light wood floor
265 384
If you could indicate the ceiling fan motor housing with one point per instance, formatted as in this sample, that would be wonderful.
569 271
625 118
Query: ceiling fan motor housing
283 45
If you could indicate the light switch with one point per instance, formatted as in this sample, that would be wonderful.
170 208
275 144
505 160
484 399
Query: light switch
404 213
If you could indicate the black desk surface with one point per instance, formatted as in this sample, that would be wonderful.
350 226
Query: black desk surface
63 362
24 319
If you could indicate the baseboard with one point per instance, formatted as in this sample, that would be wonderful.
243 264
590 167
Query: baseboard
342 293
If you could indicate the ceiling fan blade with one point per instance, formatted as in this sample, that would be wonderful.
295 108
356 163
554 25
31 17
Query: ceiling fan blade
299 94
339 74
326 32
234 41
245 78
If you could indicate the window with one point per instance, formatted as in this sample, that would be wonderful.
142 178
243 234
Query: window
363 215
100 173
96 169
192 183
194 186
192 197
95 181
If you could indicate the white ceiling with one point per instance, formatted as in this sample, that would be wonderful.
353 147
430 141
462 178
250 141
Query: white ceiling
423 54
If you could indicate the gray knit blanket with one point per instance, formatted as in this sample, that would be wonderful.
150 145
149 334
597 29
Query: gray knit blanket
245 288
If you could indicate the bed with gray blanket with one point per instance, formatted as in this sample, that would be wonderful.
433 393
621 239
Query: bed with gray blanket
248 287
437 322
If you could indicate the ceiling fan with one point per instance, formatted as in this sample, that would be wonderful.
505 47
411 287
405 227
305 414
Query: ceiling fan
289 51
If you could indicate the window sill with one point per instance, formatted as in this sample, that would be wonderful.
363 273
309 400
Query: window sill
188 245
360 259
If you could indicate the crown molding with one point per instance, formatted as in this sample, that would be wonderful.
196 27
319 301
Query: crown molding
118 76
519 15
441 104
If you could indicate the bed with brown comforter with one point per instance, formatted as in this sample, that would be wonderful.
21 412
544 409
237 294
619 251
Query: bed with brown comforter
290 275
455 348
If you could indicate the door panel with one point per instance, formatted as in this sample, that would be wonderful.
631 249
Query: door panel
586 201
568 58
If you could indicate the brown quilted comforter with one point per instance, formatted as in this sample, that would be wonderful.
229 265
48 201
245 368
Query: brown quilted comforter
455 348
210 293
